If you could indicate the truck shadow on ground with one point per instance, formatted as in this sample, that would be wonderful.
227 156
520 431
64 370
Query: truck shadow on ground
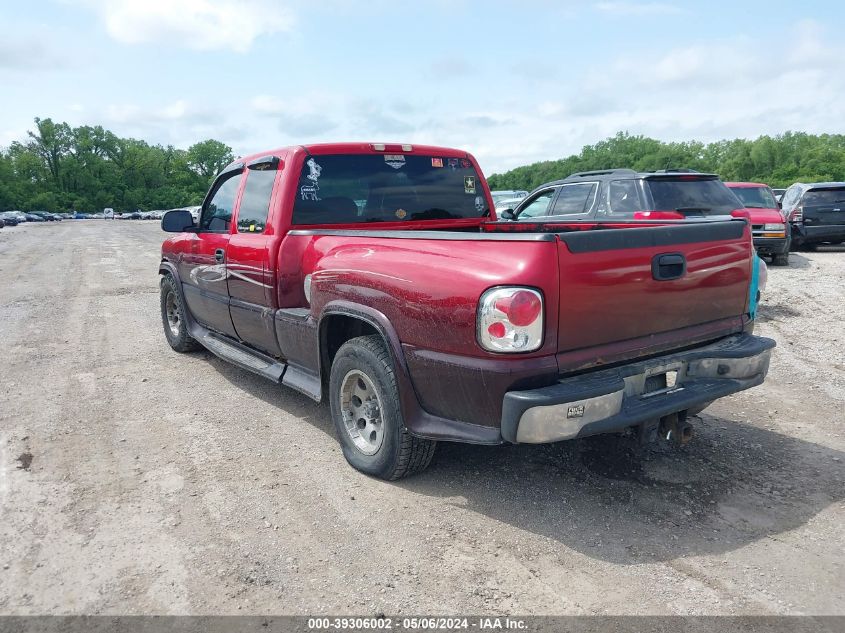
734 484
609 499
283 398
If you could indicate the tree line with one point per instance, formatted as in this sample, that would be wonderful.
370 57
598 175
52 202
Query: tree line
776 160
88 168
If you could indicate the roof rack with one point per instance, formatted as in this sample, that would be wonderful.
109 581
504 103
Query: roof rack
676 170
603 172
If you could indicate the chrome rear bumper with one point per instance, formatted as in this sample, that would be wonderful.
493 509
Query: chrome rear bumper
613 399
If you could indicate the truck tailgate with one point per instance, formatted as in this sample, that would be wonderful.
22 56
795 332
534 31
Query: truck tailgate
628 283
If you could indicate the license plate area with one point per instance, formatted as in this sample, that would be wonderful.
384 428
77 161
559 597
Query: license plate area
660 382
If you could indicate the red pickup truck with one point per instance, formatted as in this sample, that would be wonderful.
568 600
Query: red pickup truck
377 277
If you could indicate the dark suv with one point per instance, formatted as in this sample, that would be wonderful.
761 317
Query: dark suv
816 212
620 193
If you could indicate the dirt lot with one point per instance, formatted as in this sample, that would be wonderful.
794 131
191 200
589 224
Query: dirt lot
135 480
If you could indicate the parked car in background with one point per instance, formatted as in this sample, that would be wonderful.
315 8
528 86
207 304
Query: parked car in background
108 213
772 235
32 217
625 193
778 194
10 218
48 217
816 212
2 222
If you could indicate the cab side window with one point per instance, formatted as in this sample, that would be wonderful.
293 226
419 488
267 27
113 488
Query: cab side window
217 213
255 201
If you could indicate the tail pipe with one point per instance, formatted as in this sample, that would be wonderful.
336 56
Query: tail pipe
675 428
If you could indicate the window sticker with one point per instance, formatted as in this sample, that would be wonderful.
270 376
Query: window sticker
479 203
310 190
465 163
453 163
401 213
397 161
469 184
437 162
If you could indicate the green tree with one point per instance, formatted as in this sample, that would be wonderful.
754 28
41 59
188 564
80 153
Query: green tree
207 158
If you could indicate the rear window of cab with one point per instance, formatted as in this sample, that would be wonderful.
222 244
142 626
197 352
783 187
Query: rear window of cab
363 188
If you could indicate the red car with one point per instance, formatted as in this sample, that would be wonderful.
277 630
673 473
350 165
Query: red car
772 235
376 276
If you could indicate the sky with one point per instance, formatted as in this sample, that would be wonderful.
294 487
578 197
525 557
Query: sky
511 82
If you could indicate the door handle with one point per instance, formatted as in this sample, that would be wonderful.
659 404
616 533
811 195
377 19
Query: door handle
668 266
219 255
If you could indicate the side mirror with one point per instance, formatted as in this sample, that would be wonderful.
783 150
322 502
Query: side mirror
507 214
177 221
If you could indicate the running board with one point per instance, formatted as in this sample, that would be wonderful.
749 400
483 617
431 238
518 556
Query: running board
242 356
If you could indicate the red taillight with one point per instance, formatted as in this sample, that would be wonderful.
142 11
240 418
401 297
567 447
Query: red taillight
521 308
658 215
741 213
497 330
510 319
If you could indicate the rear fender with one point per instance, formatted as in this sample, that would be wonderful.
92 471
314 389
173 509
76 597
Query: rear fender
417 421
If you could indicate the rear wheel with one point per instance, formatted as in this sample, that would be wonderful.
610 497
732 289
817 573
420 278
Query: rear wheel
173 318
365 408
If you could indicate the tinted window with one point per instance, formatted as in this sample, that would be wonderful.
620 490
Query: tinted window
624 197
336 189
217 215
574 199
539 206
693 196
755 197
255 201
824 196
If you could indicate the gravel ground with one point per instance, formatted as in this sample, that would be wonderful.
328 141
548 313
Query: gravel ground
136 480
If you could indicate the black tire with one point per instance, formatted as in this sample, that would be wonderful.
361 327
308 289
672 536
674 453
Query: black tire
780 259
398 453
175 324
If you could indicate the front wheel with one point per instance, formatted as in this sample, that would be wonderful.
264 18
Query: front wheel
780 259
173 318
365 408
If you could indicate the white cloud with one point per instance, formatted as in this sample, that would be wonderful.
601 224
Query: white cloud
196 24
706 89
627 7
